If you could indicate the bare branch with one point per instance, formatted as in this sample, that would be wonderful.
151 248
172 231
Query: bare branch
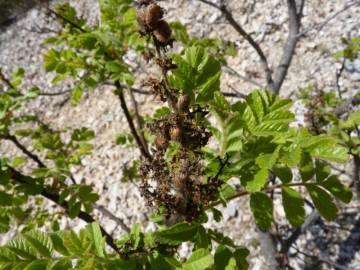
344 107
339 73
357 174
320 26
130 121
107 213
229 17
321 259
299 231
31 155
246 79
290 45
42 165
22 179
55 93
138 119
5 80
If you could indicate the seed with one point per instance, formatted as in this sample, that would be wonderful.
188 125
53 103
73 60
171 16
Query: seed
176 134
179 181
140 17
162 32
183 103
161 142
153 14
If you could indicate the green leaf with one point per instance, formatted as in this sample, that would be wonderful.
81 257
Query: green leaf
266 114
322 201
58 244
338 189
74 210
37 265
262 208
196 72
20 247
240 255
322 170
230 132
226 192
200 259
40 242
5 199
307 169
258 182
202 239
4 224
159 261
177 233
18 161
294 206
73 243
267 161
216 214
172 150
63 264
284 173
135 235
97 239
222 257
163 111
120 139
76 95
82 134
327 148
115 67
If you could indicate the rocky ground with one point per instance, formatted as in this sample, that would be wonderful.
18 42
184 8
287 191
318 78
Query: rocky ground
21 46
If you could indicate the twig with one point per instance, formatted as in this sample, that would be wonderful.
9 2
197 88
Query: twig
357 174
229 17
297 232
6 80
23 179
320 26
243 193
290 45
237 94
107 213
130 121
339 73
344 107
31 155
138 119
321 259
68 21
55 93
234 72
42 165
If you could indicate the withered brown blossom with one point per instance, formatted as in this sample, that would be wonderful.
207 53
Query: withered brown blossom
177 184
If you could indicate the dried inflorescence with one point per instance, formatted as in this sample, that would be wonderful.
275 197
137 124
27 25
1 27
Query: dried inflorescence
150 17
174 182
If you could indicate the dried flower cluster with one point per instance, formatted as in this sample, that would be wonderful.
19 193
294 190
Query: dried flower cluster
150 18
175 182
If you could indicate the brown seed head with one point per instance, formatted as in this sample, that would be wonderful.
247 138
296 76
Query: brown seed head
140 17
161 142
153 14
162 32
183 103
175 134
179 181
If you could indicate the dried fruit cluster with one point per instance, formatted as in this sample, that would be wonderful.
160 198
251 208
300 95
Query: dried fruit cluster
150 17
174 182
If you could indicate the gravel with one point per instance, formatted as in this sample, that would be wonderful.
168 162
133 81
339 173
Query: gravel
21 46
